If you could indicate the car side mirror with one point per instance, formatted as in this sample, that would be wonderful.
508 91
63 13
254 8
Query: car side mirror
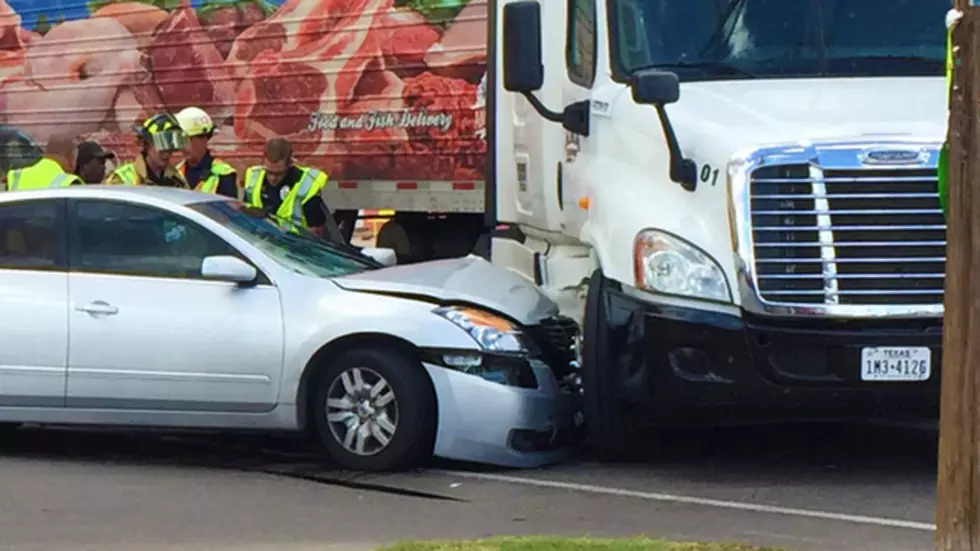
385 257
522 55
655 87
228 268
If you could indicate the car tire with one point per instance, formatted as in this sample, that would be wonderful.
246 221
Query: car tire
350 411
612 437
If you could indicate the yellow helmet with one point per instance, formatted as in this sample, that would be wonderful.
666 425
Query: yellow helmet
163 132
194 121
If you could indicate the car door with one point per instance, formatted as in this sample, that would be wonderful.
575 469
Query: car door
33 303
147 332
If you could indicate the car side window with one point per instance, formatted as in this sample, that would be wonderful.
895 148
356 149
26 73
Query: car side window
122 238
32 235
580 47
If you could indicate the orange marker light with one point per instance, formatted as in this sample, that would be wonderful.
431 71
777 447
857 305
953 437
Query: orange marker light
583 203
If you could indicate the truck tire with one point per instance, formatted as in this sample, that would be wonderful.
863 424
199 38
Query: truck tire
399 420
613 438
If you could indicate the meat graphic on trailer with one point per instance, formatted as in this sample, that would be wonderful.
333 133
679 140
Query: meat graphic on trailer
365 89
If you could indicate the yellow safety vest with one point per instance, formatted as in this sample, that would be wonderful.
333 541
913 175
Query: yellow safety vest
290 212
126 175
45 173
134 174
210 184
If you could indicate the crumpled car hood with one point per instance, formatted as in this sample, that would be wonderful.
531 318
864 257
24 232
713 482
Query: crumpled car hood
470 280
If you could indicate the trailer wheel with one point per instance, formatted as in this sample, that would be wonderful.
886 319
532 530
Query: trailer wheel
395 235
612 435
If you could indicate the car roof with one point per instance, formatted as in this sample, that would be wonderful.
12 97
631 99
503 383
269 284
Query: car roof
142 194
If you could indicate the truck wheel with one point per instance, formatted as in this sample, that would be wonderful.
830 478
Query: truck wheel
612 436
375 410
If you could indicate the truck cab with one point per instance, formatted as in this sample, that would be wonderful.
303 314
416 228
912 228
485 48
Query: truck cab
736 198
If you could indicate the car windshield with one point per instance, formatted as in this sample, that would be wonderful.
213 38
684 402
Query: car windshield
744 39
302 252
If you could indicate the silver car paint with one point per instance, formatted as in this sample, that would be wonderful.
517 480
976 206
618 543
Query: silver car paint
470 280
313 311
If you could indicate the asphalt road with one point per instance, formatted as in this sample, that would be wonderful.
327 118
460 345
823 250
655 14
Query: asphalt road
813 489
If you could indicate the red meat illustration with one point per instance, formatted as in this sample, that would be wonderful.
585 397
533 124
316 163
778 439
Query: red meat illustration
293 92
408 37
225 23
187 67
362 89
371 136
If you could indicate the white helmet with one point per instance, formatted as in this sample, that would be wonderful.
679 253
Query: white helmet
194 121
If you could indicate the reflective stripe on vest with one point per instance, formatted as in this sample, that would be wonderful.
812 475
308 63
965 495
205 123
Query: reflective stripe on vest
13 179
291 209
299 197
209 184
253 183
127 173
43 174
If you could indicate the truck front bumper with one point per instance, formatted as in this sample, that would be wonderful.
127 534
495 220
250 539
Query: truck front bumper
678 366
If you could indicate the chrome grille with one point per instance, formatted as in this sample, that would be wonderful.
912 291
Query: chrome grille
856 236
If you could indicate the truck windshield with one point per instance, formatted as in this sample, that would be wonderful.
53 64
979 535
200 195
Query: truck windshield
744 39
302 252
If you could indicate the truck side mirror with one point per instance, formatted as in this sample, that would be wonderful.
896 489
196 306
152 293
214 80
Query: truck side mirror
654 87
660 88
523 70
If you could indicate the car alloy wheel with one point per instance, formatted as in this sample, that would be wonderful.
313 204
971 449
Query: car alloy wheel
362 411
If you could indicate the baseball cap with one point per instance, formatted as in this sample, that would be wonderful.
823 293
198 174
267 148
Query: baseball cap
92 150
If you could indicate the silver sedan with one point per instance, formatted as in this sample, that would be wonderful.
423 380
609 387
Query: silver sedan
168 308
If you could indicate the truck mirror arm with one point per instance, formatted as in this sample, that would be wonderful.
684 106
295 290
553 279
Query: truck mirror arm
574 118
682 171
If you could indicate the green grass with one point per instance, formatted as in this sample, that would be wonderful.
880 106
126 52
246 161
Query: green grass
571 544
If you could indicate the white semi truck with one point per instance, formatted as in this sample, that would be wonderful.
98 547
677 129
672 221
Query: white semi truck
735 199
739 196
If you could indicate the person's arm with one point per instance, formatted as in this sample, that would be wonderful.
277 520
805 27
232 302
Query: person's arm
320 221
228 185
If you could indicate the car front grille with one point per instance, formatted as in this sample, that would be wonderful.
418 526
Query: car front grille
554 339
847 236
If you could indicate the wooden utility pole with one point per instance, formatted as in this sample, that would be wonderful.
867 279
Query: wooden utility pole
958 506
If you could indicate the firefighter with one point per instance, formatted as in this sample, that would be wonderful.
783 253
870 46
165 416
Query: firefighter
53 170
200 169
160 137
289 191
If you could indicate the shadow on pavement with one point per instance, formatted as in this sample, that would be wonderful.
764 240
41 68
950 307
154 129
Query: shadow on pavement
774 450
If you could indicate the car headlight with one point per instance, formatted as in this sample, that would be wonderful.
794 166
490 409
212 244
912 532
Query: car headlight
667 264
493 333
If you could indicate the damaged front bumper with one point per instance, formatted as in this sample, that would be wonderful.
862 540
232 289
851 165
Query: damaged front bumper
524 421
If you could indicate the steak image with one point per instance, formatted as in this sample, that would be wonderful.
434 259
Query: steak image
364 89
188 68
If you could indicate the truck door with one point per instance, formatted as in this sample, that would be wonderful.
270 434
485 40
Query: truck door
527 185
578 150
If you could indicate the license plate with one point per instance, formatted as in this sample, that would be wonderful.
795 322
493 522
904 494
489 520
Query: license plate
895 364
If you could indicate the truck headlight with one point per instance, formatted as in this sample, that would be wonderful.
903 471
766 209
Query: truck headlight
493 333
667 264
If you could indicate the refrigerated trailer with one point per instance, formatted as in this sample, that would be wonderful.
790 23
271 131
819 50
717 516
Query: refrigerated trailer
735 199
